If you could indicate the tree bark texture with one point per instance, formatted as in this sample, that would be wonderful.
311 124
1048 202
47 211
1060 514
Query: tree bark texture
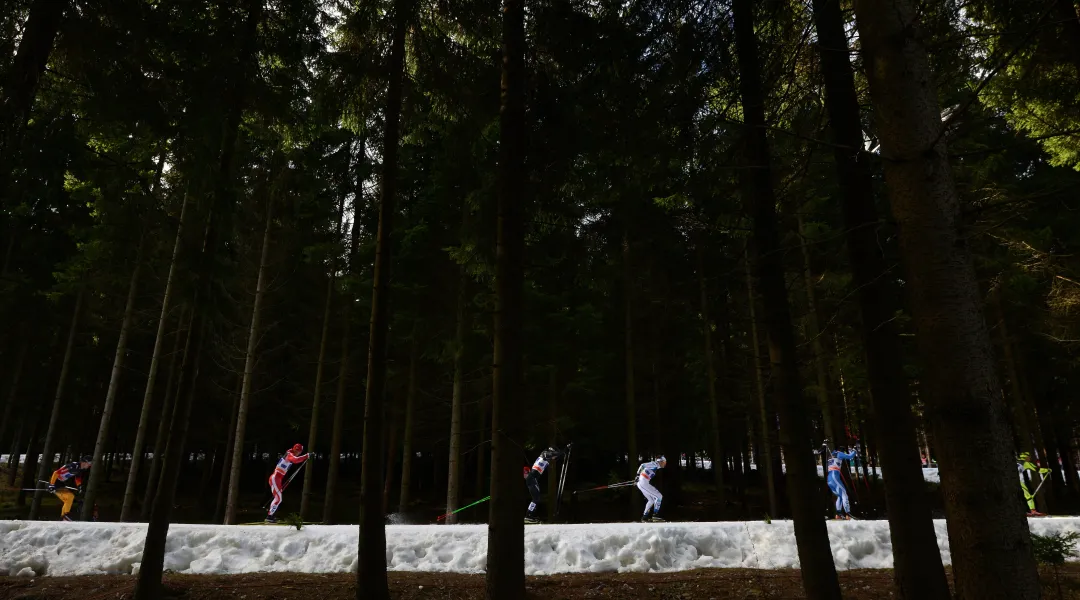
453 479
13 389
628 355
54 417
815 554
505 579
988 535
917 562
151 378
832 425
371 582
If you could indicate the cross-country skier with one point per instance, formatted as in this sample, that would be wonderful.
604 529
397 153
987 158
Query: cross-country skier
532 480
1023 464
835 481
653 497
73 470
277 479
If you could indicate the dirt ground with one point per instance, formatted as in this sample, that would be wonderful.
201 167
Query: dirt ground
711 584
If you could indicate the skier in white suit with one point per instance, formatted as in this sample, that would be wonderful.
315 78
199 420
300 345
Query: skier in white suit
645 473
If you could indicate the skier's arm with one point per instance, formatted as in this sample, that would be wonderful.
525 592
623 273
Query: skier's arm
846 455
289 456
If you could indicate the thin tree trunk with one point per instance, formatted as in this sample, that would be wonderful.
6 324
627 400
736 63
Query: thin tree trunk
832 428
148 585
988 536
232 504
313 428
482 428
917 563
114 386
553 423
405 497
506 530
453 479
339 421
763 454
180 347
54 418
151 378
13 456
227 456
371 581
394 427
628 315
716 450
13 391
815 554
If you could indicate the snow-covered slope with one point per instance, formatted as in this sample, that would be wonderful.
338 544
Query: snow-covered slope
57 548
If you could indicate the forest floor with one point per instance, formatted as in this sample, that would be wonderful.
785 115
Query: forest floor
717 584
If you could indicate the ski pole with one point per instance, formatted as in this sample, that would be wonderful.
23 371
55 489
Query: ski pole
484 499
287 482
609 486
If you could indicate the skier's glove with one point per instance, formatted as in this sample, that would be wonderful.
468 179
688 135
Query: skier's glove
52 489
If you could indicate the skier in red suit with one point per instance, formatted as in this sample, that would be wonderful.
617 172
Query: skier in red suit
277 479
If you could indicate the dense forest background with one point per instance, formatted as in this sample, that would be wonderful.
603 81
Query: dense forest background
199 184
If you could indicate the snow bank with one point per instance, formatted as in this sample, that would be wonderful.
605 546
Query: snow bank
57 548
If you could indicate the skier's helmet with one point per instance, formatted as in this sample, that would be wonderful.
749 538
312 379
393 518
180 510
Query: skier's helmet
86 458
662 461
1024 456
297 448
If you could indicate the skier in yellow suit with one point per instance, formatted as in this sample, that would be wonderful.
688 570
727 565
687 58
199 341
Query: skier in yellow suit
1023 464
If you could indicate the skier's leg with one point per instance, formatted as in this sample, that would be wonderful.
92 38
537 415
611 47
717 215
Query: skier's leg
835 486
68 498
1028 496
534 491
843 499
646 490
275 489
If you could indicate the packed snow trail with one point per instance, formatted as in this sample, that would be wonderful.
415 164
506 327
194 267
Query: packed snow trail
58 548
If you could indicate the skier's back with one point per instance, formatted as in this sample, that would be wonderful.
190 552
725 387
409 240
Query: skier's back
532 480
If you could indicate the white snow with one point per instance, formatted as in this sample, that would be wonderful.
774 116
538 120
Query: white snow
58 548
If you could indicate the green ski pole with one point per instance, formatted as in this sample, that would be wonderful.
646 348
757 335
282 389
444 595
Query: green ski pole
484 499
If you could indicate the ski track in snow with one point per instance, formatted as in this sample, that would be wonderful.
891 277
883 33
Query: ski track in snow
58 548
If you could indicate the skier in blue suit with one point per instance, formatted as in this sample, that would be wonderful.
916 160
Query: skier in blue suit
836 481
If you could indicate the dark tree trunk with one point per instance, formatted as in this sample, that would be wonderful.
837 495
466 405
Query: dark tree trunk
54 418
371 582
405 497
815 553
716 451
114 387
183 335
148 585
917 562
628 315
227 455
453 479
763 447
233 501
833 424
345 364
151 378
506 529
988 535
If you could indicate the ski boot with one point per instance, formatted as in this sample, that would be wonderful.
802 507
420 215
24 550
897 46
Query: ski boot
530 519
1036 513
271 519
66 518
655 519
